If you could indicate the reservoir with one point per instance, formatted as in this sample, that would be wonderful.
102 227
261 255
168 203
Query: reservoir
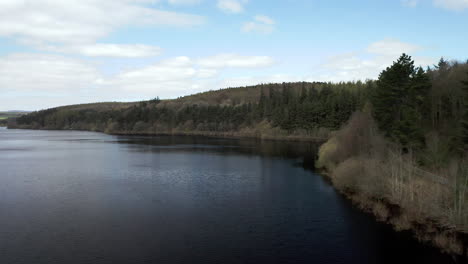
84 197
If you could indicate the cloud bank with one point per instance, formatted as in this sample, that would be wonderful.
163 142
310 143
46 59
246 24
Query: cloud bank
51 76
76 25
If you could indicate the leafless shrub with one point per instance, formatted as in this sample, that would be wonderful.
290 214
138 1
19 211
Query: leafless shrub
381 211
346 175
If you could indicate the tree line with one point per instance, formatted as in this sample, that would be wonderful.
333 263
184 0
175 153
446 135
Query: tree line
412 105
289 106
403 157
409 103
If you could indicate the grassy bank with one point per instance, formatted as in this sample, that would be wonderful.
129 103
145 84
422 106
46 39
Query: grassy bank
379 178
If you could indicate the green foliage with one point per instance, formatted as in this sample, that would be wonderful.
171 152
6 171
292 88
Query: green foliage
400 102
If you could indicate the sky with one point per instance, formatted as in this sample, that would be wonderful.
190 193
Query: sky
60 52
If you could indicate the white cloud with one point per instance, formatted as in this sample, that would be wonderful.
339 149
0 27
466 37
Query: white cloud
232 6
108 50
184 2
182 75
392 47
233 60
455 5
38 73
264 19
178 68
43 79
410 3
369 63
207 73
37 22
261 24
168 79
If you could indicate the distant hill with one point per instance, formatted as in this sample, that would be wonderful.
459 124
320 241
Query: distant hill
10 114
300 109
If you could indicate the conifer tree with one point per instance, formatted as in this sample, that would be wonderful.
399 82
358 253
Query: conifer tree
303 93
391 85
399 100
442 66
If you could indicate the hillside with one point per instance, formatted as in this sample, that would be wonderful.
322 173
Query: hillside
268 110
10 114
298 109
404 158
397 146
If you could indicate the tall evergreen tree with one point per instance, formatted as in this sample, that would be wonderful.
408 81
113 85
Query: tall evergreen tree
388 97
303 93
399 101
261 103
442 66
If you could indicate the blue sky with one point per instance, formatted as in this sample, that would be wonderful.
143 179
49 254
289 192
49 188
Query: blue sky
58 52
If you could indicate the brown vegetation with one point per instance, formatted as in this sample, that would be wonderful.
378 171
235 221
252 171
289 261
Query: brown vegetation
381 179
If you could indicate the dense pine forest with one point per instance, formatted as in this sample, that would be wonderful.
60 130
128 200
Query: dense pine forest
401 140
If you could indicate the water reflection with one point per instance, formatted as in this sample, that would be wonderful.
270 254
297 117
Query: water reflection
80 197
306 152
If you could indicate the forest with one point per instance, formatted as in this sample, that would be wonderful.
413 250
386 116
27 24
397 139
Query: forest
412 107
403 157
408 103
287 108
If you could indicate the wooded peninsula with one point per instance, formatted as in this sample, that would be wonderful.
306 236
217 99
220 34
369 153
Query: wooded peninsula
396 146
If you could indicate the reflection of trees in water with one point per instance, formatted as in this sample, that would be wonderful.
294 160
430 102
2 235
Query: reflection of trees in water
304 152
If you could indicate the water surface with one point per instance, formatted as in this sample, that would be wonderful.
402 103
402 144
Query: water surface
82 197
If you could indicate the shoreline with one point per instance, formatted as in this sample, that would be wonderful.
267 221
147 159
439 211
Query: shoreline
232 134
427 231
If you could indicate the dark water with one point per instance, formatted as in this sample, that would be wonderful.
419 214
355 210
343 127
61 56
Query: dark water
79 197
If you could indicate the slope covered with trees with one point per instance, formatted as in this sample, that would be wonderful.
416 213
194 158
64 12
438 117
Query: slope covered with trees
269 109
413 107
404 156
